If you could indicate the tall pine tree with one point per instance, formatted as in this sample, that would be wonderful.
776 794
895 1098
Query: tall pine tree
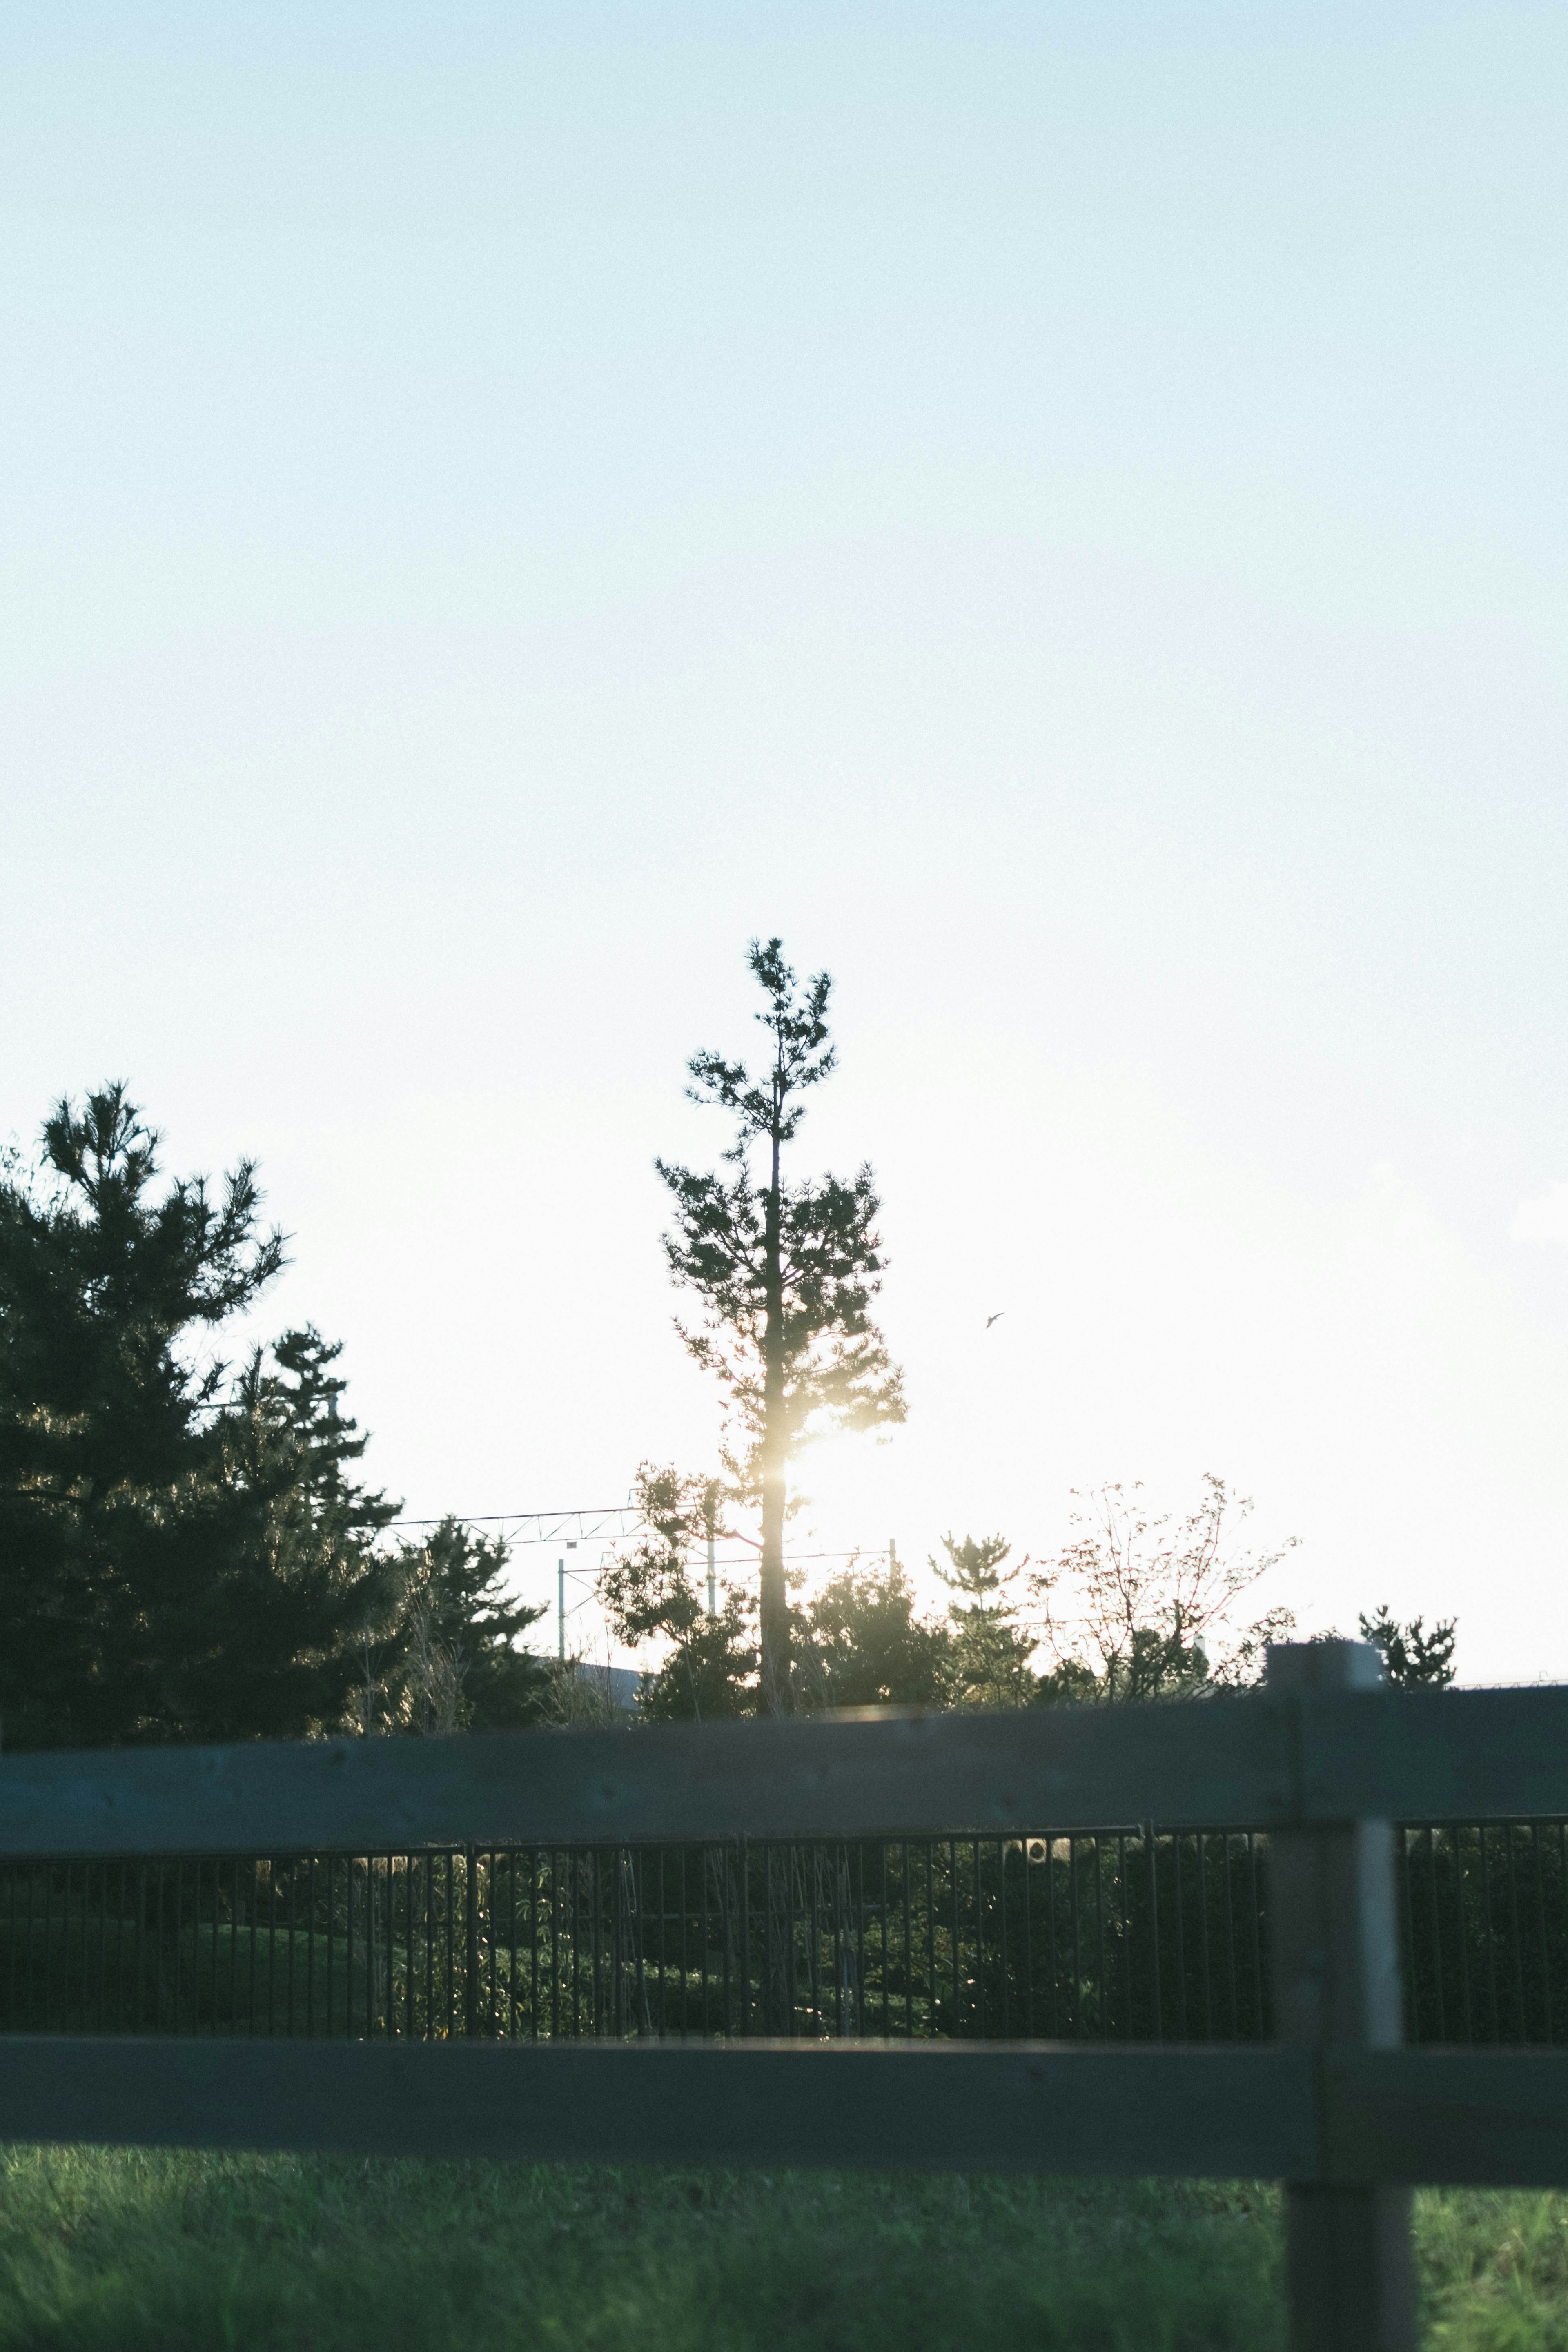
784 1274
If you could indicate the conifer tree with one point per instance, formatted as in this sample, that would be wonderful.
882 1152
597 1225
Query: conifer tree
1413 1658
784 1274
991 1653
154 1578
449 1659
653 1592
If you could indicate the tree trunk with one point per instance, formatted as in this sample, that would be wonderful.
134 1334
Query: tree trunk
774 1626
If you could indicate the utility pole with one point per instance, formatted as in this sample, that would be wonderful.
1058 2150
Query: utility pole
710 1521
561 1611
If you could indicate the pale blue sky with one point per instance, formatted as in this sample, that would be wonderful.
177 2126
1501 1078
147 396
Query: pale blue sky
1060 512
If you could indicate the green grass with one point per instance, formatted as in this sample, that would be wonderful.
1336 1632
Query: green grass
106 2251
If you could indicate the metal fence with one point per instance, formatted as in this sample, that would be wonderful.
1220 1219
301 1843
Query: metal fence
1134 1934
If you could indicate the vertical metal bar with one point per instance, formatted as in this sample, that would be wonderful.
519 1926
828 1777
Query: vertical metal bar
14 1942
1002 1935
1180 1908
533 1942
120 2017
492 1941
1260 1987
234 1944
1104 2033
179 1936
349 1947
704 1865
332 1937
139 1942
389 1914
883 1908
86 1941
790 1927
1028 1942
1404 1893
1542 1960
272 1943
255 1866
1156 2000
158 1962
1437 1928
556 1943
311 1952
217 1907
511 1942
1124 1934
410 1947
451 1941
931 1935
1491 1939
1075 1899
432 1906
105 2009
596 1933
48 1988
1229 1937
958 2002
979 1941
31 1971
86 1919
1204 1940
1054 2022
1456 1841
685 1970
293 1920
746 1936
1517 1940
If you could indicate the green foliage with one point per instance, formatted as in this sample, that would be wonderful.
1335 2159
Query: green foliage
1412 1657
863 1644
179 1558
785 1274
447 1658
990 1652
654 1591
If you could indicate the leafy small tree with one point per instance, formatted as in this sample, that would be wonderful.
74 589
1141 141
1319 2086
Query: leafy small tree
653 1591
784 1274
991 1652
1413 1657
864 1643
1138 1608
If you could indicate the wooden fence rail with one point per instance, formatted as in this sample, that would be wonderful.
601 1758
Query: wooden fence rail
1278 1759
1338 2111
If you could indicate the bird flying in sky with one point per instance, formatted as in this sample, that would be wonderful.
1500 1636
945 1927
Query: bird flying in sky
995 1319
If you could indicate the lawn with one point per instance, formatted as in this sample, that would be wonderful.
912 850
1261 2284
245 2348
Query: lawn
110 2249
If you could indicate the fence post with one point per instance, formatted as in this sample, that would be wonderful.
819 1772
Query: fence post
1334 1930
